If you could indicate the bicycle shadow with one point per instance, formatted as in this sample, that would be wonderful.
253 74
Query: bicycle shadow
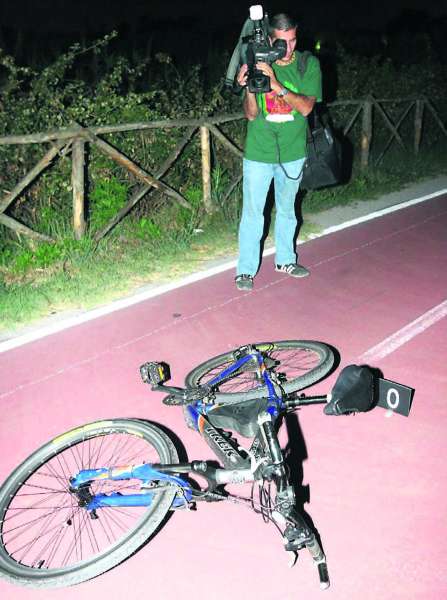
295 453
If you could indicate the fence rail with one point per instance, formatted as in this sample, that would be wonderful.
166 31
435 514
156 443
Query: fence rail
75 139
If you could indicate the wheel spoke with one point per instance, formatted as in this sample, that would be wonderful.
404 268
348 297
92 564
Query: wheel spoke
19 529
44 531
294 361
44 524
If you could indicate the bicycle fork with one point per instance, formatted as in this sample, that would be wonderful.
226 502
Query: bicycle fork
297 534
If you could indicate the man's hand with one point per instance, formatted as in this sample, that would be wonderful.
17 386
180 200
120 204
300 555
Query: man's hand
250 105
242 75
267 70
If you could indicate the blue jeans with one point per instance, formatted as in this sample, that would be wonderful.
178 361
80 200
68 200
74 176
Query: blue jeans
257 177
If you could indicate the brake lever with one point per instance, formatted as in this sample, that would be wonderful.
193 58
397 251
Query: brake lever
202 392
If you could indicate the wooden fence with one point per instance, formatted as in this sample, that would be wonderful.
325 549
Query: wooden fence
75 138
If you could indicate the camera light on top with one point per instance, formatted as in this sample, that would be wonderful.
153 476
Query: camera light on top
256 12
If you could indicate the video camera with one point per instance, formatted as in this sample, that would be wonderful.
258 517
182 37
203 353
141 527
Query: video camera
254 47
259 49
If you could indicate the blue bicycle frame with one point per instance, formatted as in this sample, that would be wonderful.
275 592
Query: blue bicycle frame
148 474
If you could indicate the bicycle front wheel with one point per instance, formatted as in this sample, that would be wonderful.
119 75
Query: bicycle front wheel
47 537
298 363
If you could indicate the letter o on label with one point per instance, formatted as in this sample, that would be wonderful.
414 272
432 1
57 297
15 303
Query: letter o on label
392 398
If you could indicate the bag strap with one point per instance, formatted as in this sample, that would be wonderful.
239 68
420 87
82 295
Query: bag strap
302 59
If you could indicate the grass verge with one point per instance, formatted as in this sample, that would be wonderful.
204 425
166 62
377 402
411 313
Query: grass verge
83 276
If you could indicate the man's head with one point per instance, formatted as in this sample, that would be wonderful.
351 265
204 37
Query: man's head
283 27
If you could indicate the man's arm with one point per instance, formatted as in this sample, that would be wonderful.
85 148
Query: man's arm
250 105
299 102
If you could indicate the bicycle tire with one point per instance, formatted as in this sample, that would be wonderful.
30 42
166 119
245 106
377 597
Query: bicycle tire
317 360
44 477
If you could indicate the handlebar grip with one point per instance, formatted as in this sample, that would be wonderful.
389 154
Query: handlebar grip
294 401
324 575
317 554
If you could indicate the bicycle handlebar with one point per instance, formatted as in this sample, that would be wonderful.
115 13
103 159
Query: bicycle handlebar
353 391
291 401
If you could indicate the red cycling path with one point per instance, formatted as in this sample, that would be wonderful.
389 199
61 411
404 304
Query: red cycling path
377 292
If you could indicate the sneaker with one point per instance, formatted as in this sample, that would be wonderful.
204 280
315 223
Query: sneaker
244 282
294 270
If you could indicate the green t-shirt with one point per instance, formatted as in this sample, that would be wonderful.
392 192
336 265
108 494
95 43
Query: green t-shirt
277 125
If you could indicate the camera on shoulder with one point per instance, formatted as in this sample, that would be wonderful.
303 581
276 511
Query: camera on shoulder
259 49
254 46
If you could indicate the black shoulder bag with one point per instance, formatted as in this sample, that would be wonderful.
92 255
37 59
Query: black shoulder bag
323 164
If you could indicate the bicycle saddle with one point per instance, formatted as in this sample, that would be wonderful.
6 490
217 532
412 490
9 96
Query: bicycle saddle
241 417
353 391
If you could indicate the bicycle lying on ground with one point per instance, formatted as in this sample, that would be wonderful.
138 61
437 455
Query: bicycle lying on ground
89 498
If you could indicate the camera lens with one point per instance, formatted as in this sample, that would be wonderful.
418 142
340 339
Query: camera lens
259 83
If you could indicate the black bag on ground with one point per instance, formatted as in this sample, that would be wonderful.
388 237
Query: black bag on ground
353 391
323 165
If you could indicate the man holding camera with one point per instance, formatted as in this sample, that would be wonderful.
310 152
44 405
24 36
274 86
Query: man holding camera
275 149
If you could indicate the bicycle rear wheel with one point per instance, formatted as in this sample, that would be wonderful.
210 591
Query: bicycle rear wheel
300 363
47 537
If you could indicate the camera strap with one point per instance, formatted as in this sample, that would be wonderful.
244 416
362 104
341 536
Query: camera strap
278 152
302 59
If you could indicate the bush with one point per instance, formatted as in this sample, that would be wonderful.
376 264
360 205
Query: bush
53 98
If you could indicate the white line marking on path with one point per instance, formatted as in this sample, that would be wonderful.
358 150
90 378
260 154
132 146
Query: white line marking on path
163 289
404 335
379 213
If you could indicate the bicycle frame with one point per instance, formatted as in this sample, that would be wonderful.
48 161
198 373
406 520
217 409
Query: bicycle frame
263 461
241 465
214 410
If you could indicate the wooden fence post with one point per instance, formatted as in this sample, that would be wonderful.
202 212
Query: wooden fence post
77 182
365 142
206 167
418 117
